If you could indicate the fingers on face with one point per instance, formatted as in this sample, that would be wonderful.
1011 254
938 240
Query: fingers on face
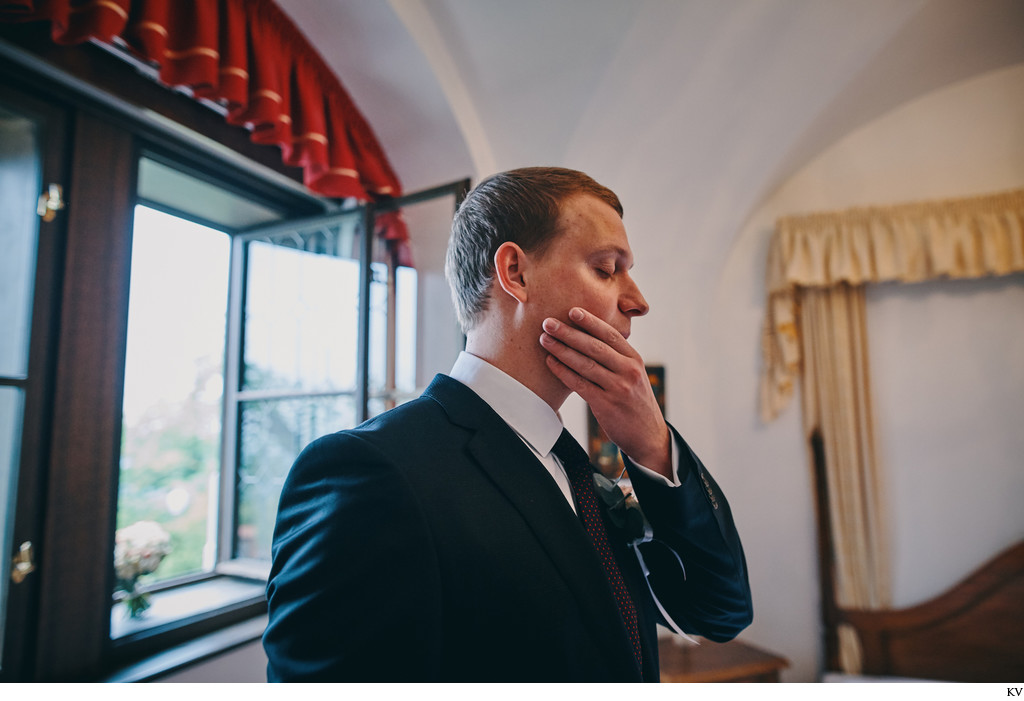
597 385
601 330
569 378
594 339
586 362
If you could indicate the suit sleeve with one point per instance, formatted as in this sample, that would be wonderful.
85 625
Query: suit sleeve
353 593
693 522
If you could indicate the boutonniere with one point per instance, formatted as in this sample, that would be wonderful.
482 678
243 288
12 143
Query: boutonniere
625 514
623 509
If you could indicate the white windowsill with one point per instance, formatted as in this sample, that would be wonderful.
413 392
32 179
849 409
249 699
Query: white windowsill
185 602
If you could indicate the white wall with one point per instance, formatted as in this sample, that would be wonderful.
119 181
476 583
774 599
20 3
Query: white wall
948 379
961 140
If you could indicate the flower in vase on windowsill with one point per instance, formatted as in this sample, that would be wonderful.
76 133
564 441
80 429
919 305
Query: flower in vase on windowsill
138 549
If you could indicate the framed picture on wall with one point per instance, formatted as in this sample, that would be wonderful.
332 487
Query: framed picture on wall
603 453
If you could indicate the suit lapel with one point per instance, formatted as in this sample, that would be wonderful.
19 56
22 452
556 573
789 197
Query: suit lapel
516 472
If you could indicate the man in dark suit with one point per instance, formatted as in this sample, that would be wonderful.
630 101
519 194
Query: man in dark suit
458 537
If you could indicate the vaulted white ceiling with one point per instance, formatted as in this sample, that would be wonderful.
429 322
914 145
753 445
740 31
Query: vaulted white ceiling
701 99
693 111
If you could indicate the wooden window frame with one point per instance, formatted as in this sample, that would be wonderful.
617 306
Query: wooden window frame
115 113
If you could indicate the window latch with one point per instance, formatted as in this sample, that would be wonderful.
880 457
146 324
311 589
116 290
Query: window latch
50 202
22 564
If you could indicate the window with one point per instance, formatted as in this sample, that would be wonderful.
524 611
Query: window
19 179
174 386
299 367
247 339
172 418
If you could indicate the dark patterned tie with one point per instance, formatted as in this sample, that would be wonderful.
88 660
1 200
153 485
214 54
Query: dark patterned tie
581 480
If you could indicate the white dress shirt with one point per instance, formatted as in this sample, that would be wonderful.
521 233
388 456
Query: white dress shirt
533 420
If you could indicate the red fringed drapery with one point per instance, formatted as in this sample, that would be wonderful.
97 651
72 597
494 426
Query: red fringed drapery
247 56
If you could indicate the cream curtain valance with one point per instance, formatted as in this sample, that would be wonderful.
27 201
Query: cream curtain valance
956 238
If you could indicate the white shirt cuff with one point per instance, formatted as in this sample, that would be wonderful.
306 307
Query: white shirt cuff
673 461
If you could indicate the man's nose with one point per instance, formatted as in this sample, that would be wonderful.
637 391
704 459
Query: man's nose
631 302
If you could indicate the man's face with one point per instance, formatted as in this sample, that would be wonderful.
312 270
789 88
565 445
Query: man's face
587 265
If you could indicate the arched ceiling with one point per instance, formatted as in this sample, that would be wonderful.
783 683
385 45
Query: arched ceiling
695 108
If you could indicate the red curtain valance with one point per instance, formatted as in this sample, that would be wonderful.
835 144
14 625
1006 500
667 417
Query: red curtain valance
250 58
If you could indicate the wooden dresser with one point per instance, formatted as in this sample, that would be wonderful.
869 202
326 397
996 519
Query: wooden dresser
735 661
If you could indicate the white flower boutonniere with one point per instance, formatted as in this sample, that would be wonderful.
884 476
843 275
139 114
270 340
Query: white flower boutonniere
623 510
625 514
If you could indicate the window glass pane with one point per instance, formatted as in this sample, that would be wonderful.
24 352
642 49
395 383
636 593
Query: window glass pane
175 191
378 405
173 393
11 404
378 360
301 320
273 433
392 361
19 187
405 336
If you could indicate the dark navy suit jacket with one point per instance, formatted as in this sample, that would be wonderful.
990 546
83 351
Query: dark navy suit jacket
429 544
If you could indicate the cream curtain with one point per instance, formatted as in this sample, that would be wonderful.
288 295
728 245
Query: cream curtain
836 394
957 238
815 328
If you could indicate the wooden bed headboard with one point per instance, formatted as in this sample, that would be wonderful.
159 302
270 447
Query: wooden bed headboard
974 632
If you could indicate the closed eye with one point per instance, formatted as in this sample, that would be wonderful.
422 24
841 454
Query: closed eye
604 272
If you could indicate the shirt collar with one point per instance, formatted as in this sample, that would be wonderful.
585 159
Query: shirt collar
525 413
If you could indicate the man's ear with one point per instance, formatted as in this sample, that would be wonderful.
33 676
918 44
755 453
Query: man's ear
509 264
